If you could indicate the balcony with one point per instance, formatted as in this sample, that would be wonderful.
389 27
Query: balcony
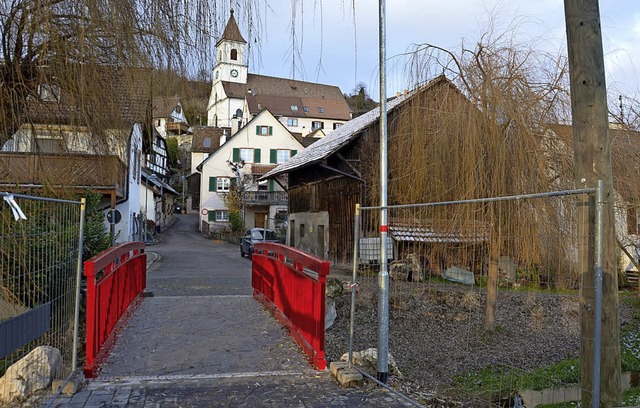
23 170
264 197
177 128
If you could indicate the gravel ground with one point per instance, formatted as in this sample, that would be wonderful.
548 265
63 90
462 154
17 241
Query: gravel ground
435 331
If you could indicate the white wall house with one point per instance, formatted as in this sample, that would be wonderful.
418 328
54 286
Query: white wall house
252 151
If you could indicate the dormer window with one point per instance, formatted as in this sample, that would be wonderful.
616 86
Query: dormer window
234 54
49 92
206 142
320 109
294 108
305 108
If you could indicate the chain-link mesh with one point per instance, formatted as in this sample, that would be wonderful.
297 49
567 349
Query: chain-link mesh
482 294
38 278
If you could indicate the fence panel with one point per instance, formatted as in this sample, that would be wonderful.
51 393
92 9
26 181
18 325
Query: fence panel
116 279
292 284
40 253
484 301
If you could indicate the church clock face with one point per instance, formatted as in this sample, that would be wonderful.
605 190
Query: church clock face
234 73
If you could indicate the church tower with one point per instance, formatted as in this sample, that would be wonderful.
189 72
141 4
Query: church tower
230 54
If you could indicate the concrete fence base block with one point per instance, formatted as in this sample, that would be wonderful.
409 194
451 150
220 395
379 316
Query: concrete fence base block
71 387
347 377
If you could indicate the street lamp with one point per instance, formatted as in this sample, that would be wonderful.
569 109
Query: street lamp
146 200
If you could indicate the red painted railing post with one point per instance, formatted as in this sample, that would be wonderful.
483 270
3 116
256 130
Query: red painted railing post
116 279
292 284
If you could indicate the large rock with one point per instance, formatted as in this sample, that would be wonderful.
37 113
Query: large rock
407 269
368 360
33 372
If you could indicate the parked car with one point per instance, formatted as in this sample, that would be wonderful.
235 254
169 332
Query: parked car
177 209
256 235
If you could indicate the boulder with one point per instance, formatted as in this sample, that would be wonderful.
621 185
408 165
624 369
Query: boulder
407 269
334 287
368 360
33 372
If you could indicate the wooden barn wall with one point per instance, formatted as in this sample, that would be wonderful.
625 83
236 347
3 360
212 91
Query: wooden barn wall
343 194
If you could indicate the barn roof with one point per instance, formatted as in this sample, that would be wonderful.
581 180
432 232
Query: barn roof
343 135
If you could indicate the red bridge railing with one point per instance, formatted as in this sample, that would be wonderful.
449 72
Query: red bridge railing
292 285
115 281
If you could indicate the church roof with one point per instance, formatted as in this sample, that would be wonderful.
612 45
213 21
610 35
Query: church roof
280 94
231 31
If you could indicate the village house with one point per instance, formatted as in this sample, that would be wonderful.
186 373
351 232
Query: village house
54 151
169 118
237 96
236 164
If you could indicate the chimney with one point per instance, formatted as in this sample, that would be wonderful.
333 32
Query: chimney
223 137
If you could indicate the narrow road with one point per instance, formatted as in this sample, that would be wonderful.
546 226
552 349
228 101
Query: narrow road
202 340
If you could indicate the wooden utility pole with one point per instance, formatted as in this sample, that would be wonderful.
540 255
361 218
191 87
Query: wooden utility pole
592 162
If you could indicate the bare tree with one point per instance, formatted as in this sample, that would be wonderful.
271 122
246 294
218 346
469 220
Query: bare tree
70 43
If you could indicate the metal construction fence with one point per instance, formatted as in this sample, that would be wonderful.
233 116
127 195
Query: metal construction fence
483 298
41 242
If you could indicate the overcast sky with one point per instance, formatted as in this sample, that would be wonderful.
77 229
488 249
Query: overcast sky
347 56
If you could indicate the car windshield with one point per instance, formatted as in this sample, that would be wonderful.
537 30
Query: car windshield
270 235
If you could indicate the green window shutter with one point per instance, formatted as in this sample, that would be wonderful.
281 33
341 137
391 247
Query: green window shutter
270 130
273 156
293 153
257 129
211 216
271 186
236 155
256 155
213 184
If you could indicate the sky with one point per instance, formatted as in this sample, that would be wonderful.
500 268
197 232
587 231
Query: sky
334 50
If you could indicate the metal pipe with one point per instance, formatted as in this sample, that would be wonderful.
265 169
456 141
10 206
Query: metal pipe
76 321
28 197
491 199
356 240
597 310
383 279
146 209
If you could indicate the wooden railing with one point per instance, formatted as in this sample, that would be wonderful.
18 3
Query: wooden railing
264 197
292 285
67 170
116 279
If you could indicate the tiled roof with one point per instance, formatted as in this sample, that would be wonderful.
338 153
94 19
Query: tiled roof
343 135
162 107
200 133
124 98
279 94
231 31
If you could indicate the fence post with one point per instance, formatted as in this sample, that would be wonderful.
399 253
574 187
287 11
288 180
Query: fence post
76 317
356 240
597 313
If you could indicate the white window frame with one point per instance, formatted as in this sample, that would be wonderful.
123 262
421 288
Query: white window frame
280 155
292 122
223 184
264 130
222 216
246 155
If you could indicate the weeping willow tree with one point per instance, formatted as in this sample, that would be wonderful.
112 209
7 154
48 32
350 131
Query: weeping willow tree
482 134
82 45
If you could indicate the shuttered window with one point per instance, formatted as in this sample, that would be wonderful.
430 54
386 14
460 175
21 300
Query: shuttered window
212 184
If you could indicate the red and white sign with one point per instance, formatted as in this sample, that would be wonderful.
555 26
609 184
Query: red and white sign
204 211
